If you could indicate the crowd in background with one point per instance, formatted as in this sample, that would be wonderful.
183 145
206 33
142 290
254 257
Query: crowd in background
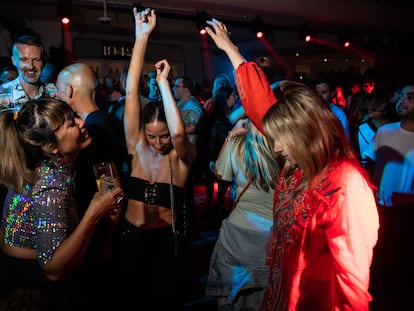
228 138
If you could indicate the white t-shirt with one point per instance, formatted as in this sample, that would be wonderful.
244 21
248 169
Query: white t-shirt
365 136
394 168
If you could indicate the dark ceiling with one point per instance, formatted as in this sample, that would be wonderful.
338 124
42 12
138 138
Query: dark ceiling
374 25
372 15
384 19
353 14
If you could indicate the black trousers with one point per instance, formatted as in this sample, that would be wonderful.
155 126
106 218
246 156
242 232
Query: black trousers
392 269
147 268
24 286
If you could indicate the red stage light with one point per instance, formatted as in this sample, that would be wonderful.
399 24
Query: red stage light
259 34
64 11
65 20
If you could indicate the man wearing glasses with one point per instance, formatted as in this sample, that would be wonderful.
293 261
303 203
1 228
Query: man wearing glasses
190 107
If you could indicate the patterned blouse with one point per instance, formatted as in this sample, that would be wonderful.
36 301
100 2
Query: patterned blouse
191 112
13 96
43 214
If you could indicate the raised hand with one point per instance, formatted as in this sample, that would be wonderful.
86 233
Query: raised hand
163 69
145 21
241 127
219 33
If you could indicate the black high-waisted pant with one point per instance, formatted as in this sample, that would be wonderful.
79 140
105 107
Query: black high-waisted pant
148 271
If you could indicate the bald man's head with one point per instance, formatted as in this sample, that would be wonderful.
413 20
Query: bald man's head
76 84
79 75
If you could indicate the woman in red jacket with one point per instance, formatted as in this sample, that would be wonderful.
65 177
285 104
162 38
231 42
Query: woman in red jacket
325 217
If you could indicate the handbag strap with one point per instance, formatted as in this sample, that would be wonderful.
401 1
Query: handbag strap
173 215
174 211
239 196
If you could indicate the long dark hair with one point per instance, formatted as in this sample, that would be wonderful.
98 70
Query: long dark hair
220 101
153 111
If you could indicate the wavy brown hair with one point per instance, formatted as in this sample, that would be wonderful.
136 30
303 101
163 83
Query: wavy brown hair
305 126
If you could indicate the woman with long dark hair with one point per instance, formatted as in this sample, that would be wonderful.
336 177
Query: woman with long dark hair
161 157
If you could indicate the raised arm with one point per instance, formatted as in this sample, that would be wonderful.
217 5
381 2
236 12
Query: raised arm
252 85
220 35
145 22
185 150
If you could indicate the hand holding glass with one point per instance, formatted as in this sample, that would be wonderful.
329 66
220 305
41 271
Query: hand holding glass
104 175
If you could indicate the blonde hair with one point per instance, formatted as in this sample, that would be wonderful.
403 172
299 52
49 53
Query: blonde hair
304 125
256 159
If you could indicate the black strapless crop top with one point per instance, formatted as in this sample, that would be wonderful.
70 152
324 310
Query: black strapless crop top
153 194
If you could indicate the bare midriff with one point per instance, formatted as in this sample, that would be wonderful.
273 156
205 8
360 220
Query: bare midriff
146 216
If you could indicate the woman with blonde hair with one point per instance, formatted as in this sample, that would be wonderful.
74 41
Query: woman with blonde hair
238 274
325 216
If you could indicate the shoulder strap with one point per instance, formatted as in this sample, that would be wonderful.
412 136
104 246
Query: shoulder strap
372 125
239 196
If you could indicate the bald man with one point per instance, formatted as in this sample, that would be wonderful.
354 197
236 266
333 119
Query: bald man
76 85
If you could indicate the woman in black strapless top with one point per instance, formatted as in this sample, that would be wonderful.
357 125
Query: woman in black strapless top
150 270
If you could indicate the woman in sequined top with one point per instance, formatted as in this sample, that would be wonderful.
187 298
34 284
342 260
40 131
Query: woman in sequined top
161 158
40 223
325 220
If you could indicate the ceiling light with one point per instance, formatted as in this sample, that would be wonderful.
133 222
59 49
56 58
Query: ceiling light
258 27
344 38
64 10
201 18
305 33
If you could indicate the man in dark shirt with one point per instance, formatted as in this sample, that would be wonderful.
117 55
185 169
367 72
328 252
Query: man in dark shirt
76 85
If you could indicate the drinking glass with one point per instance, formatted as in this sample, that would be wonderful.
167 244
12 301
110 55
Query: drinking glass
104 175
